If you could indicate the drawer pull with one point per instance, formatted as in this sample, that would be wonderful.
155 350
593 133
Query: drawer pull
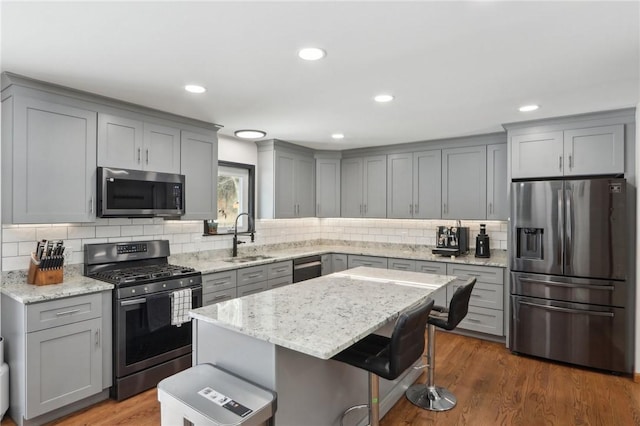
222 296
473 320
73 311
281 269
220 282
254 275
476 296
98 337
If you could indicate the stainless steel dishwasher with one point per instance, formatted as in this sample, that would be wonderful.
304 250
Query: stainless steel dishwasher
305 268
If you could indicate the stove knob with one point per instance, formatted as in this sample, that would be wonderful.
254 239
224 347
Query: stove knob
133 290
190 281
180 282
146 290
164 286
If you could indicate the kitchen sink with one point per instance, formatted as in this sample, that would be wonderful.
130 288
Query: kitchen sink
245 259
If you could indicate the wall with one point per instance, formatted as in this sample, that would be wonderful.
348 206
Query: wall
18 241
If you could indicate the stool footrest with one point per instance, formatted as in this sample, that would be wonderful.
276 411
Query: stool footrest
433 398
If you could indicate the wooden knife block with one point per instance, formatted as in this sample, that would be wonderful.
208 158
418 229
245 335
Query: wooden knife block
44 277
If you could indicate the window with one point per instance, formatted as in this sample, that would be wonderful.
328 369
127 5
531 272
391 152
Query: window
236 189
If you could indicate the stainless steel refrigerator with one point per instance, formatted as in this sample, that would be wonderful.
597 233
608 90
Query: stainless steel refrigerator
569 270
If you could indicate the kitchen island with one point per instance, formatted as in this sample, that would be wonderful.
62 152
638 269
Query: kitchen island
283 339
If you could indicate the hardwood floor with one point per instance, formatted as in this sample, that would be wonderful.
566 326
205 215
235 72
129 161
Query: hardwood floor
493 387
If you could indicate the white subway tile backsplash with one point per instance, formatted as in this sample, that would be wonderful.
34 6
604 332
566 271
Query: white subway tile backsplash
107 231
10 235
186 236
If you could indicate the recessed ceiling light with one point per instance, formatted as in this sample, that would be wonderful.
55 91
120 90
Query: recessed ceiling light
194 88
528 108
250 134
311 53
337 136
383 98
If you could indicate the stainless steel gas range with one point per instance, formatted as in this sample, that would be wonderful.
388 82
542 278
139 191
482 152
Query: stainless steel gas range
147 347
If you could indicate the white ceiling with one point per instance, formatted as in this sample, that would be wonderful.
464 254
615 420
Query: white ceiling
455 68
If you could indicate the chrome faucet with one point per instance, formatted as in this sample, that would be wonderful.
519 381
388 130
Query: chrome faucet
235 233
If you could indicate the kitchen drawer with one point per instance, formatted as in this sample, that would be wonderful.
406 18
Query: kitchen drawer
401 264
59 312
438 268
279 282
280 269
251 275
483 274
218 296
483 295
353 261
252 288
218 281
484 320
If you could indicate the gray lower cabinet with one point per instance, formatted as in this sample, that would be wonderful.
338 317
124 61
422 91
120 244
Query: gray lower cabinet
248 289
218 287
486 305
264 277
339 262
326 264
199 164
279 282
464 183
363 184
59 352
40 141
429 267
371 261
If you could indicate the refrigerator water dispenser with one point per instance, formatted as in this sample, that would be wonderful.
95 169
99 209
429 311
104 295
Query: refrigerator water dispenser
530 243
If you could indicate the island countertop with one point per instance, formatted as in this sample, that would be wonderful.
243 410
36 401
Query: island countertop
323 316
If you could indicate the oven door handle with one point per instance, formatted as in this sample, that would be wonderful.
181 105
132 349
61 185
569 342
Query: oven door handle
568 310
133 302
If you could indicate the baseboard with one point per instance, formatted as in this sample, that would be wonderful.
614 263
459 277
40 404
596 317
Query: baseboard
636 377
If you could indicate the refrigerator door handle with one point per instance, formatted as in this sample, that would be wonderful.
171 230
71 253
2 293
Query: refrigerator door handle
567 310
568 285
559 241
568 230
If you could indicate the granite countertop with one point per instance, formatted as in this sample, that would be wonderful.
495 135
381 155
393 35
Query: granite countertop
208 265
323 316
14 285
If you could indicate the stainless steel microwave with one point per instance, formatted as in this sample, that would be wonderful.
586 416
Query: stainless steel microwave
137 193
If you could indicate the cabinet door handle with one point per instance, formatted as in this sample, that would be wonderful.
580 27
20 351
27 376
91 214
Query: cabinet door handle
91 205
560 162
365 209
490 208
73 311
570 162
410 208
138 155
147 153
445 207
98 337
415 210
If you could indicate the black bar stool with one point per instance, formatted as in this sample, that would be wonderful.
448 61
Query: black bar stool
387 357
430 396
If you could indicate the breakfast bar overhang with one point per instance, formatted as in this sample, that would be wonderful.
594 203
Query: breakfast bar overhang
283 339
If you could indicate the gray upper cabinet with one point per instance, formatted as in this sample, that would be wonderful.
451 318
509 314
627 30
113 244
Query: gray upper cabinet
286 180
48 161
199 164
327 187
571 152
464 183
413 185
364 187
595 150
536 155
130 143
497 208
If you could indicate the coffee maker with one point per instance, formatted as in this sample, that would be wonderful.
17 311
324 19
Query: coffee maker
451 240
482 242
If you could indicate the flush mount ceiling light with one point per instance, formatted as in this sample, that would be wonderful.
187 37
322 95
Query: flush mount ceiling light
311 53
250 134
383 98
337 136
528 108
194 88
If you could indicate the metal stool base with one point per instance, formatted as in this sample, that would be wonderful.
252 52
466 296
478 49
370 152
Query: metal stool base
433 398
